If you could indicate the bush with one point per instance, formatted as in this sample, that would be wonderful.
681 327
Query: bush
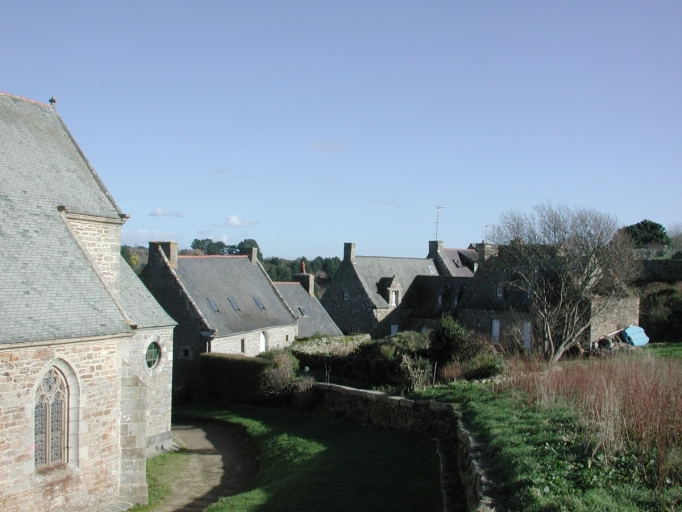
451 341
231 377
416 373
661 313
484 366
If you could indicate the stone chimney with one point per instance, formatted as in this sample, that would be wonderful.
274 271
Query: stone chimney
252 254
485 250
170 249
349 252
307 281
435 247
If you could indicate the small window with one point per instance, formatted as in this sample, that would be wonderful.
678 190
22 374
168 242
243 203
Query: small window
478 322
185 353
394 329
499 291
456 263
233 304
439 300
394 298
303 311
287 337
346 295
153 354
243 346
258 303
51 420
431 270
213 306
455 301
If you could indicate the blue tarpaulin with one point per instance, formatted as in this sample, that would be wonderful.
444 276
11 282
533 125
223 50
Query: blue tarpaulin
634 335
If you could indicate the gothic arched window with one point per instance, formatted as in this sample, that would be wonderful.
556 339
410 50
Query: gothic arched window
51 409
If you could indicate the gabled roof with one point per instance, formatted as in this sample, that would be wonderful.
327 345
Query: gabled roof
48 290
316 320
374 271
220 278
460 261
138 303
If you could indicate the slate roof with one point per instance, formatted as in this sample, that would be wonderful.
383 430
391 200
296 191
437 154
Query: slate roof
317 319
138 302
48 290
221 277
372 269
460 261
422 297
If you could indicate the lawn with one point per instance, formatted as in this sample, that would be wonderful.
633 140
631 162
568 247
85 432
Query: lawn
311 462
664 349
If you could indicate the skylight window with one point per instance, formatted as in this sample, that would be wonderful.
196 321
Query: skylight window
258 303
431 270
303 311
213 306
233 304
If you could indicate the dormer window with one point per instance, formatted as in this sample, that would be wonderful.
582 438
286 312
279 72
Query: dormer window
455 301
439 300
394 297
499 291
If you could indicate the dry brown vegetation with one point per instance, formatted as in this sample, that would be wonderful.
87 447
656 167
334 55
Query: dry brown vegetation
628 404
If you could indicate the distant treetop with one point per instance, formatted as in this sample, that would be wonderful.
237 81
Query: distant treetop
647 232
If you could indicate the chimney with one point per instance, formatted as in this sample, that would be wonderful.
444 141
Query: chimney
170 249
252 254
307 281
349 252
485 250
435 247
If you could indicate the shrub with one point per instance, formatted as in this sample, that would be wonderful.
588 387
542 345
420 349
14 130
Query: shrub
484 366
451 341
416 373
661 313
232 377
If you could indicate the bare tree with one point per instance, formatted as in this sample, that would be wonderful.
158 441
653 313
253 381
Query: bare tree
570 262
675 233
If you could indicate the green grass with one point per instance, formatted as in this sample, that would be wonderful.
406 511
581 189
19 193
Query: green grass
540 458
312 462
664 349
162 474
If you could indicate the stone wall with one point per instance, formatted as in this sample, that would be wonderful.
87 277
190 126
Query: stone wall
101 238
617 315
458 449
275 338
355 315
91 476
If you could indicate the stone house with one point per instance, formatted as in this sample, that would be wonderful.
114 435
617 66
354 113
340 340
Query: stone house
368 293
311 316
86 353
224 304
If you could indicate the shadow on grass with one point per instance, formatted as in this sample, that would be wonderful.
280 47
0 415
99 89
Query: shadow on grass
312 462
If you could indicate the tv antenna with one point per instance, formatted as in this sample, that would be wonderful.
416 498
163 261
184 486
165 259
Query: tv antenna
437 221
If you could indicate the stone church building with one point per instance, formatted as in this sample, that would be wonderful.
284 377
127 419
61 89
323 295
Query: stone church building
86 353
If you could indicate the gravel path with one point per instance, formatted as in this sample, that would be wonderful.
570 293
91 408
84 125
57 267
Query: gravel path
218 462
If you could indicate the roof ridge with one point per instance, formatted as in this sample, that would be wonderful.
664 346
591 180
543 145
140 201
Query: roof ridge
189 256
286 282
26 99
397 257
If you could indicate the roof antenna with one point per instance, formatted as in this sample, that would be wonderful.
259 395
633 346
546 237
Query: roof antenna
437 221
52 101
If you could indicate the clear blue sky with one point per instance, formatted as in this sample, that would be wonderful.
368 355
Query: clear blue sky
308 124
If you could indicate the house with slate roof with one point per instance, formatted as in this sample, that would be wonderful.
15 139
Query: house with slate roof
86 353
224 304
312 317
384 295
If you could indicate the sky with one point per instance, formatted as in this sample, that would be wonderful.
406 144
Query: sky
307 124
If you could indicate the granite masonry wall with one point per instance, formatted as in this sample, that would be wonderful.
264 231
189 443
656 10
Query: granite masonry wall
461 469
91 476
101 238
277 337
668 271
617 315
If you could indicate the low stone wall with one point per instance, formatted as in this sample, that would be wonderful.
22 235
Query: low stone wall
460 469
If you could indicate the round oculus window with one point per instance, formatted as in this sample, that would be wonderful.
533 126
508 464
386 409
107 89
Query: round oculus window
153 354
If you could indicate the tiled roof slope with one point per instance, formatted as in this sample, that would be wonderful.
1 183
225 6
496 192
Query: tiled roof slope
138 303
317 319
372 269
48 290
221 277
456 261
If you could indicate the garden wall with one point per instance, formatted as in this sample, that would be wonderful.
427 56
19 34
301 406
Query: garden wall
457 448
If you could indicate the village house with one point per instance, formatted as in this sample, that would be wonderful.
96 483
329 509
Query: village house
223 304
384 295
86 353
312 318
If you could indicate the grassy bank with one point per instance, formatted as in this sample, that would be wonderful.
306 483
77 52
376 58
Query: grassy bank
593 435
312 462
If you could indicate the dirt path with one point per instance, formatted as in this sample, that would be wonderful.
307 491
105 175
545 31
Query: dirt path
218 462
